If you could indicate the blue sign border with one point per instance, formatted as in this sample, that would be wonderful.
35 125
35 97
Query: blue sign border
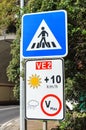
56 21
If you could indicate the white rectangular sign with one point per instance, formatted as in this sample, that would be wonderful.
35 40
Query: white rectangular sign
45 89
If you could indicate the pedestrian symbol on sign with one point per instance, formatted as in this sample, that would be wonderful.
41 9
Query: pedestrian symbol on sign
43 34
43 39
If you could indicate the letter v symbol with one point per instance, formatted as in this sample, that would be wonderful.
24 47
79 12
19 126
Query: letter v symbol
47 103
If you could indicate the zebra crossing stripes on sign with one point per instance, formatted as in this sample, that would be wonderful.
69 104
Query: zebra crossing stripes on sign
43 39
44 34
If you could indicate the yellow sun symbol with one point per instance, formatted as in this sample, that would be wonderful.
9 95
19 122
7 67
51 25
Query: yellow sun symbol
34 81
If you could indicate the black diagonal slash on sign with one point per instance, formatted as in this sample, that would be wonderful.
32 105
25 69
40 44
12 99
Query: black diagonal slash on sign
33 45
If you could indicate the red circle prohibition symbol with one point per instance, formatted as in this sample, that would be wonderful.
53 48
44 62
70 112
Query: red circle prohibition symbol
59 101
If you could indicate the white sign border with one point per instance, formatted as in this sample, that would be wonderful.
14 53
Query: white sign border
41 59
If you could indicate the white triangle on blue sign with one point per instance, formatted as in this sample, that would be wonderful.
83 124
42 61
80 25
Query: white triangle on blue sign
43 39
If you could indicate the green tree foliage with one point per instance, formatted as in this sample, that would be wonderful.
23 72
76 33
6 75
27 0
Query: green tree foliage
13 70
75 61
75 121
8 14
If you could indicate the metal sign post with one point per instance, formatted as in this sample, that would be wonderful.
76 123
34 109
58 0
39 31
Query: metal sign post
22 96
44 125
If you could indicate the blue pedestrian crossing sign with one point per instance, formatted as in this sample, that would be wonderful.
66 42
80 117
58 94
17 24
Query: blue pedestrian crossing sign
44 34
